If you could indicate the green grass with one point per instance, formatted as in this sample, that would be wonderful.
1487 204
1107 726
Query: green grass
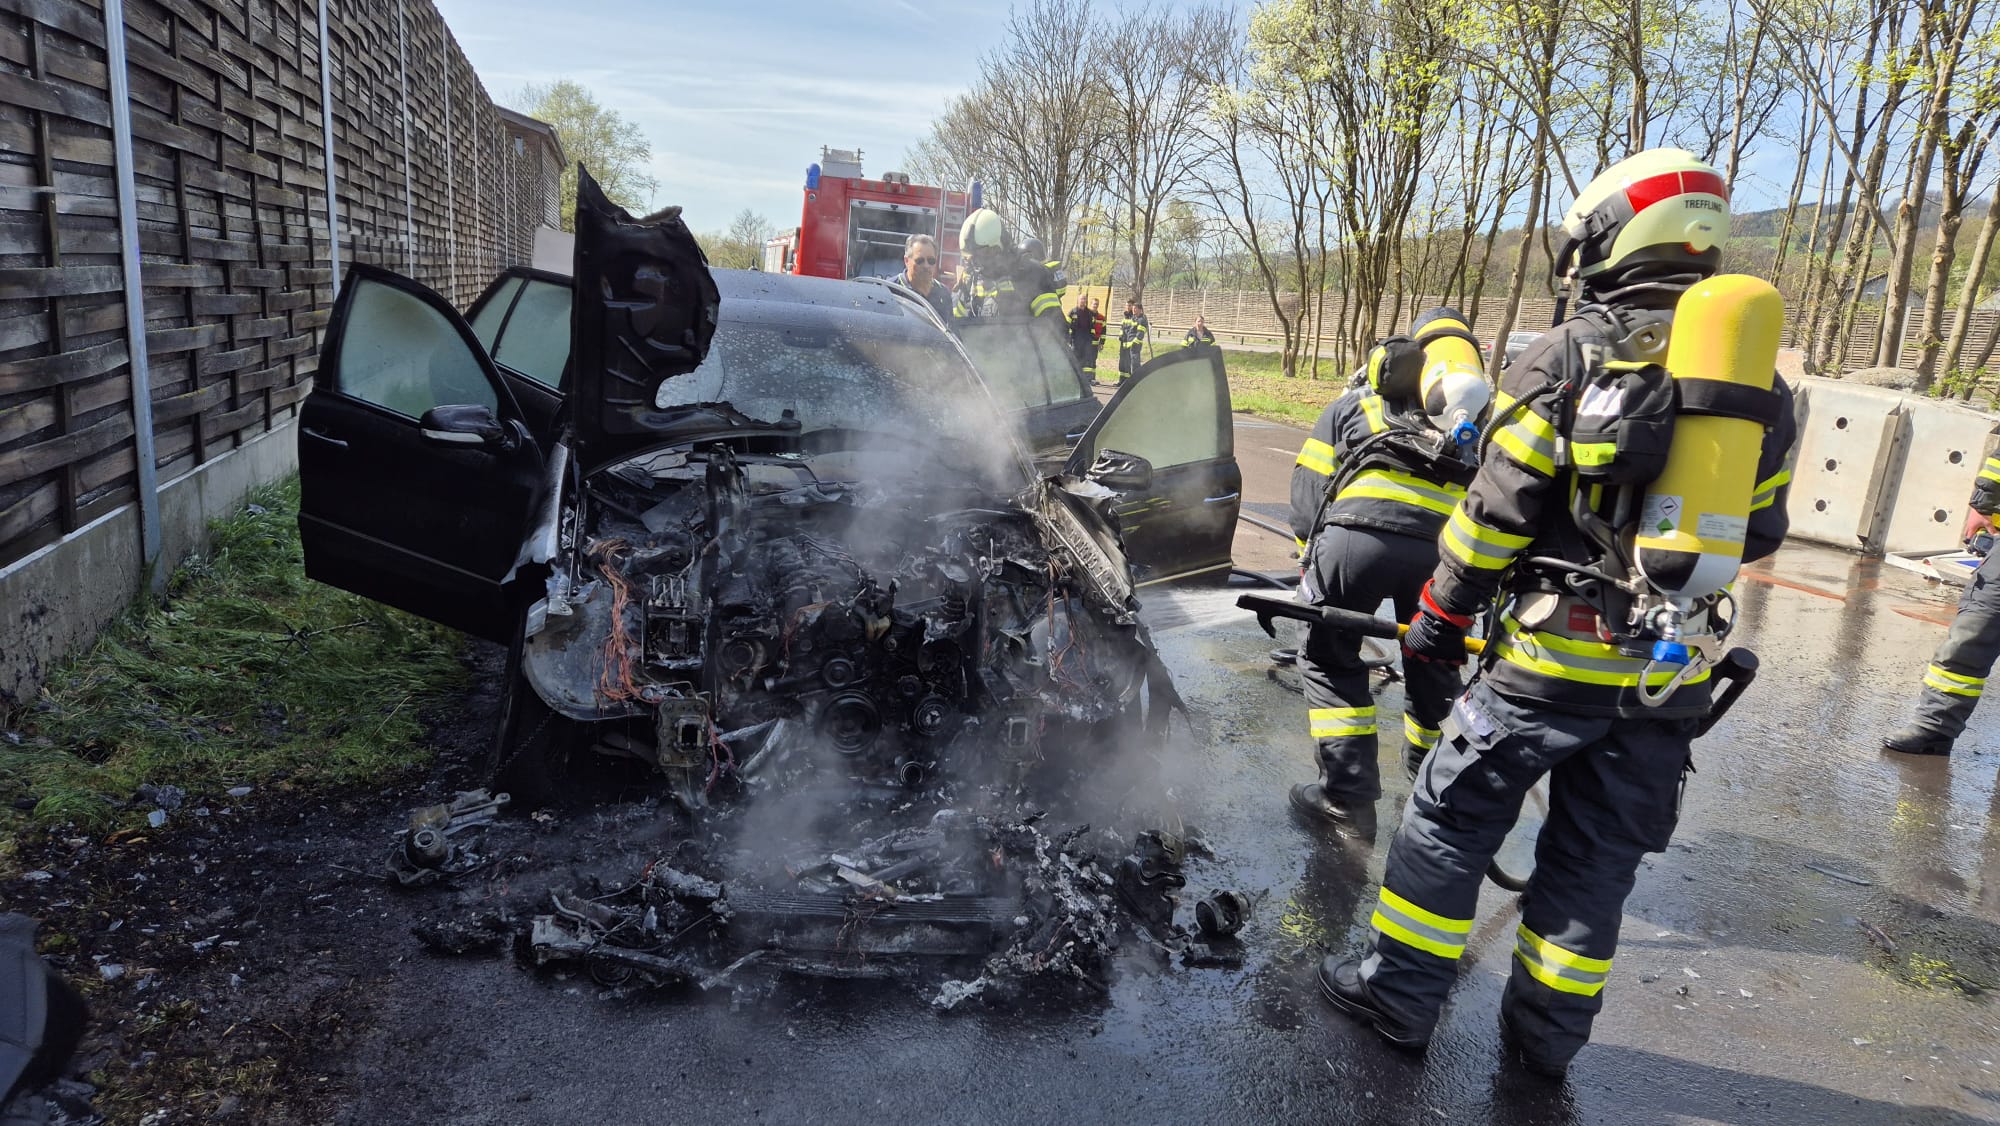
1258 386
247 673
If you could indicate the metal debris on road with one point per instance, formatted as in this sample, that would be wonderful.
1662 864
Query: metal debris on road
1855 880
426 850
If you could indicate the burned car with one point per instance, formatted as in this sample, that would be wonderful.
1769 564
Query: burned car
812 546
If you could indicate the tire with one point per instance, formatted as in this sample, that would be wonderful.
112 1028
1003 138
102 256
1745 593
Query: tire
529 759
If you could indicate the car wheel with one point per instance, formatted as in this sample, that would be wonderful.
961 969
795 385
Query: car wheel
531 748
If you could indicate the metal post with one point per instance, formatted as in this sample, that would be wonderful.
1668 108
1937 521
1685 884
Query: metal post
326 128
135 290
409 206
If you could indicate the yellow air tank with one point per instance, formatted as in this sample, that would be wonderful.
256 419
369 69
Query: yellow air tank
1453 387
1693 519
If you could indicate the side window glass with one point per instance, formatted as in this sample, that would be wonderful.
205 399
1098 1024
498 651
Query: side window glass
1169 418
399 352
486 323
536 342
1006 358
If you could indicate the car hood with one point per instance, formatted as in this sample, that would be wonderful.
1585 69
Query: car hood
644 312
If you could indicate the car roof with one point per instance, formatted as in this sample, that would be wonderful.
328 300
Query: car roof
848 307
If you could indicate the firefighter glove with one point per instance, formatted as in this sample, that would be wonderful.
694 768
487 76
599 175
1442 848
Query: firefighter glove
1436 634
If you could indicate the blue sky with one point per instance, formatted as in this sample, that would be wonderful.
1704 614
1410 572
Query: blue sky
737 98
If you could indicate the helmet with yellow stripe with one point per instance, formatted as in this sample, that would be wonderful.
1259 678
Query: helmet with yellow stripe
1659 216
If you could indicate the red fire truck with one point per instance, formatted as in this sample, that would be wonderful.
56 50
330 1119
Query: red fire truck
852 226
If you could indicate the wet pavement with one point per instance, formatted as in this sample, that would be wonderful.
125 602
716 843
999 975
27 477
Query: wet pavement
1816 947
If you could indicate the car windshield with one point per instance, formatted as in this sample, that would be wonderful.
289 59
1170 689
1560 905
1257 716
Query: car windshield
911 401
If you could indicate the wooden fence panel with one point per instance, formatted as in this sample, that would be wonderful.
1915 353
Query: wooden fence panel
229 173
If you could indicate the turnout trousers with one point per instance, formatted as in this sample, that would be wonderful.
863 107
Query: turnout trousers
1957 673
1356 568
1614 790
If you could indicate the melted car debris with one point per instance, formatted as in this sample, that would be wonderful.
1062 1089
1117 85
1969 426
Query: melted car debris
922 904
437 843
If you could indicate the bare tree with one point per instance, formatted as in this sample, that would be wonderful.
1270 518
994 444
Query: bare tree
1159 84
1028 127
1968 295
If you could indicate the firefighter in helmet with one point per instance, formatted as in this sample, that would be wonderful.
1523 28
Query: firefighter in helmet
1596 670
999 279
1385 465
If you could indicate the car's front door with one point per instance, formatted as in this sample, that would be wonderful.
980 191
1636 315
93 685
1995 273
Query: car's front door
417 474
1028 365
1175 414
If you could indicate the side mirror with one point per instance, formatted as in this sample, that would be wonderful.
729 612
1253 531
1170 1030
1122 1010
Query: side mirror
466 424
1121 471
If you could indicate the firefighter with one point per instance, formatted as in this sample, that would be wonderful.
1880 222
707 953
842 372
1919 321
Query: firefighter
1957 674
1198 333
1033 250
1082 337
1370 492
1602 687
1132 340
998 280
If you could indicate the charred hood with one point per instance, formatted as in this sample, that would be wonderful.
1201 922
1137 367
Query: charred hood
644 312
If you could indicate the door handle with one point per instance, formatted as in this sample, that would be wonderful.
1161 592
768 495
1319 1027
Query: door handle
324 437
1220 499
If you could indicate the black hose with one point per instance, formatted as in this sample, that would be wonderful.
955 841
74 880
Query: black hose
1264 578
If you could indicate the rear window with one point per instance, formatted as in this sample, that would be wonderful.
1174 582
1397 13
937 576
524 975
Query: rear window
1025 361
524 327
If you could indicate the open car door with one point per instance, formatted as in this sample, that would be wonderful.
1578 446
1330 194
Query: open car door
417 474
1174 413
522 323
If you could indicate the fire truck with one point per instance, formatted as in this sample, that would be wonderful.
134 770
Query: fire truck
852 226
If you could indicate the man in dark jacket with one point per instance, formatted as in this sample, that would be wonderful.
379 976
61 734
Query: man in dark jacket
1371 490
1560 686
920 273
1132 340
1082 337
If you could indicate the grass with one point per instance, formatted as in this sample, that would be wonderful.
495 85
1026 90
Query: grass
1257 385
246 673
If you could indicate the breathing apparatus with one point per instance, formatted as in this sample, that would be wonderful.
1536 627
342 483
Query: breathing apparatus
1663 427
1437 396
1453 390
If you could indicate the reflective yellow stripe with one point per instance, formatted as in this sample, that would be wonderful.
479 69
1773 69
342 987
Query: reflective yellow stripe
1563 970
1419 735
1476 545
1593 453
1944 680
1318 457
1411 925
1767 489
1585 662
1371 405
1044 303
1531 440
1991 471
1387 484
1337 723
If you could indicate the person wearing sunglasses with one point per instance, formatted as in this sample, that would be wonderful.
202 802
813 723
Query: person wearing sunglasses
920 273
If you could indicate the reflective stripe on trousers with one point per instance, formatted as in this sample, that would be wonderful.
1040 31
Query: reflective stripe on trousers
1613 785
1957 674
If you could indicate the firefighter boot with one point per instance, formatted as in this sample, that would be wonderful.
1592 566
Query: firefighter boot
1353 820
1517 1046
1340 982
1917 739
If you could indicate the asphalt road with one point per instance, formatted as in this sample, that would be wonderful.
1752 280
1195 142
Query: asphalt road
1817 946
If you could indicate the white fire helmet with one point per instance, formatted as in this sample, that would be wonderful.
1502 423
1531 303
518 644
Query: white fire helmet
984 230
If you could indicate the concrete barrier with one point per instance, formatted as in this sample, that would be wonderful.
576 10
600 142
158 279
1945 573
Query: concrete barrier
1847 435
54 601
1882 470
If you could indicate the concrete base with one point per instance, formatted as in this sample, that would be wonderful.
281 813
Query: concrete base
54 603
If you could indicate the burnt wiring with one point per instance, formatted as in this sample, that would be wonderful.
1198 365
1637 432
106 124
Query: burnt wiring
618 681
